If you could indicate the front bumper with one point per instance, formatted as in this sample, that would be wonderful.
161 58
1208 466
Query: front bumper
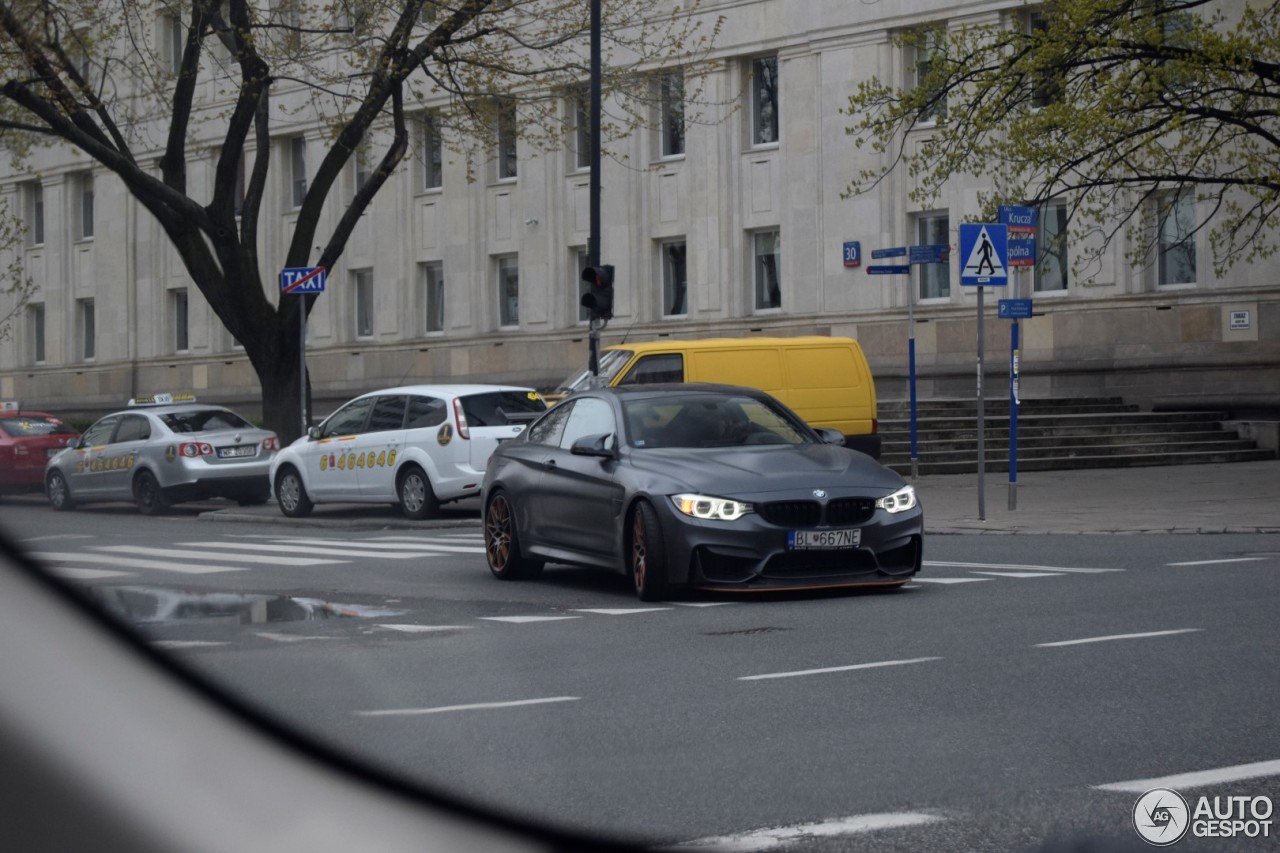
751 554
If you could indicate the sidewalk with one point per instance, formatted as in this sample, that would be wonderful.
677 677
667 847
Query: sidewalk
1239 497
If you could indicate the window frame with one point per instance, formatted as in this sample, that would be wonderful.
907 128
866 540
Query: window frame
431 152
674 293
764 92
86 329
37 315
84 200
920 61
506 142
1051 248
507 270
933 276
671 121
762 298
362 308
433 297
180 314
1176 206
297 163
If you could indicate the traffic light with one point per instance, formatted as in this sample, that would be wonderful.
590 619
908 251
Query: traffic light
599 299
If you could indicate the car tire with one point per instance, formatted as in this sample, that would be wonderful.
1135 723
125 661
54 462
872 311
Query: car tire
58 491
148 495
417 499
646 554
502 542
291 495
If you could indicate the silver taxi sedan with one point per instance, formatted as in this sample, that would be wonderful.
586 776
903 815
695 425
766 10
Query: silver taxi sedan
164 450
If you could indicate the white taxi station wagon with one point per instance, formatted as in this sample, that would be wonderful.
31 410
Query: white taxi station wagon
414 446
162 450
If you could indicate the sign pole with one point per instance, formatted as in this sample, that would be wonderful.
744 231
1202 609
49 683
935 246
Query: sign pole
1013 401
982 415
911 373
302 361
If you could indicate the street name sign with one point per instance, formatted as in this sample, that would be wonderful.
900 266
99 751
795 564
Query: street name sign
889 269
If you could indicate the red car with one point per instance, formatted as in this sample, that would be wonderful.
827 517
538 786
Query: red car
27 440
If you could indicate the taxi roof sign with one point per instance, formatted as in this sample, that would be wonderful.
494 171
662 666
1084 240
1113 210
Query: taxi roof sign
162 399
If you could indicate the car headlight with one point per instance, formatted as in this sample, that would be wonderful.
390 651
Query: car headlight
900 501
703 506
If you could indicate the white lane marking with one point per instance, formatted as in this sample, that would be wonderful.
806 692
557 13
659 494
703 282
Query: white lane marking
185 644
477 537
765 839
1017 566
698 603
300 549
1118 637
919 579
1022 574
478 706
290 638
618 611
1216 562
828 669
377 547
133 562
522 619
87 574
419 629
212 555
58 536
1199 778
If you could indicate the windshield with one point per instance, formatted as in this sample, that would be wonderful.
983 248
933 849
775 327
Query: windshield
500 408
610 362
707 420
203 420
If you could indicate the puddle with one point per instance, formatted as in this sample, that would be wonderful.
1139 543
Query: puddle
140 605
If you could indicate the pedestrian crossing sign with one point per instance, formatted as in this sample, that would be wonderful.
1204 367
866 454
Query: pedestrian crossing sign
984 252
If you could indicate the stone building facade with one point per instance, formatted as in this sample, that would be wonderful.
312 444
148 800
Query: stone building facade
731 222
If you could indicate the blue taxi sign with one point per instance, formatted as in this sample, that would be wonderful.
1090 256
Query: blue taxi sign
302 280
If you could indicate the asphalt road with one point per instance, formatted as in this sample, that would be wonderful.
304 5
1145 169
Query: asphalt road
979 709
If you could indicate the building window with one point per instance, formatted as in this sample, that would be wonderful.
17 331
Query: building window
362 284
1051 248
35 328
1176 248
35 213
506 151
671 113
508 292
173 36
764 100
178 310
584 287
935 279
582 129
86 329
298 170
675 281
923 54
1046 86
362 165
431 152
433 296
84 204
768 260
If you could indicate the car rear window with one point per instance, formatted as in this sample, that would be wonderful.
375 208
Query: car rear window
24 427
201 420
500 408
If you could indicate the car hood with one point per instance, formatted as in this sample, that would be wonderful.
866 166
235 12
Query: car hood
760 471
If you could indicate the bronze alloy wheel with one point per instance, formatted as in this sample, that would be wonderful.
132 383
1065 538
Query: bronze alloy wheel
502 542
648 557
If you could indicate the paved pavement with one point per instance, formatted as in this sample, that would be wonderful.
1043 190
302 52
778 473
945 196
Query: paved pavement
1238 497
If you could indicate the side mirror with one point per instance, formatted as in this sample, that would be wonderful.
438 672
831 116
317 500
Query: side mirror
313 432
829 435
594 445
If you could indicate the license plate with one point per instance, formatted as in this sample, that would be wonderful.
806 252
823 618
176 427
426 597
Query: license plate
800 540
228 452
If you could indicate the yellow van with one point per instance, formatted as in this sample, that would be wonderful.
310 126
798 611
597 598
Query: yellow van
824 380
